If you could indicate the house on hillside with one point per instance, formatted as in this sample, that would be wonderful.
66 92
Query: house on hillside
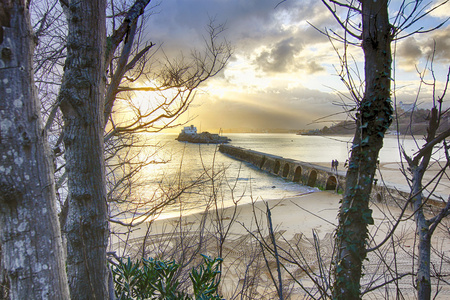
189 134
407 107
191 130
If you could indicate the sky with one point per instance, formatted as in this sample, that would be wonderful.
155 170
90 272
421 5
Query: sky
283 72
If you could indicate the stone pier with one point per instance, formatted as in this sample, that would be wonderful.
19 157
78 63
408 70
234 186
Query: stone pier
317 176
293 170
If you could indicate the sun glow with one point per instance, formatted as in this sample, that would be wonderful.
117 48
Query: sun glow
146 105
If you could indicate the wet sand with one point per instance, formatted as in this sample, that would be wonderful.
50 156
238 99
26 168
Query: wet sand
297 223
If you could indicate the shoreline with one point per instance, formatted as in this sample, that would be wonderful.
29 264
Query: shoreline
299 223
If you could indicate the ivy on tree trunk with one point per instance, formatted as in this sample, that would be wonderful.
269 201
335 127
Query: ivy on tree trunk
373 119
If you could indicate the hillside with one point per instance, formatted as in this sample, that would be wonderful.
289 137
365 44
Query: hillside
406 123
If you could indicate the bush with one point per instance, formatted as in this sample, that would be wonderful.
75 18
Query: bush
155 279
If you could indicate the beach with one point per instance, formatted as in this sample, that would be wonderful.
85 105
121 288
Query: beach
302 230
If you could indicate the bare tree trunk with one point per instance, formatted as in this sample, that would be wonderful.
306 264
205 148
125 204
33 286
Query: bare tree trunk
425 227
373 119
423 272
82 104
422 224
30 233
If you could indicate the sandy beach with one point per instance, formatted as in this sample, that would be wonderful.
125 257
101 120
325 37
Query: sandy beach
302 227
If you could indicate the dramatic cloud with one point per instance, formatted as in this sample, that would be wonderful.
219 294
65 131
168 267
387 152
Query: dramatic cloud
280 58
283 71
278 108
312 67
440 42
409 53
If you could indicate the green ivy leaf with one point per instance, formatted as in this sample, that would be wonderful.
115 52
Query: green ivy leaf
367 217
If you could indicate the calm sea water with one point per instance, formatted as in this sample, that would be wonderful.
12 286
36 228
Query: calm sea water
183 164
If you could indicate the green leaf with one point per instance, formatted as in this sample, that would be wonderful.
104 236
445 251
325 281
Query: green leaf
367 217
365 141
156 279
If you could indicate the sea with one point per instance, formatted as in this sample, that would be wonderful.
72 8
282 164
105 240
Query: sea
192 177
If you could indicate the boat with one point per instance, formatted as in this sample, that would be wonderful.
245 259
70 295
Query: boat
189 134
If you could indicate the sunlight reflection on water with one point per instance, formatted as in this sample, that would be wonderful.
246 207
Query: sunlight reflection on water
179 165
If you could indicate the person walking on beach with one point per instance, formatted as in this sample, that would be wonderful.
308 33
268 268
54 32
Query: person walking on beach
336 164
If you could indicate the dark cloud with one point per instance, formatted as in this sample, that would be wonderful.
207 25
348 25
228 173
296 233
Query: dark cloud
284 57
280 58
311 36
409 53
189 17
180 25
312 67
279 42
440 43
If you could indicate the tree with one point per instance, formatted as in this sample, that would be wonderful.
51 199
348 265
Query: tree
82 101
30 233
417 166
372 120
87 91
85 111
373 117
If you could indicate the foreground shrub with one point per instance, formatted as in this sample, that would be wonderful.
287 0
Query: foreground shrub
156 279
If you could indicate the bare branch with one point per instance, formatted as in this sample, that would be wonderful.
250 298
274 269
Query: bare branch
343 24
119 34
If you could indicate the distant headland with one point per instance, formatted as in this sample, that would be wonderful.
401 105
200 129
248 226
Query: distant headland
413 121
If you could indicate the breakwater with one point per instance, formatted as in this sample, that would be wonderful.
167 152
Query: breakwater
318 176
293 170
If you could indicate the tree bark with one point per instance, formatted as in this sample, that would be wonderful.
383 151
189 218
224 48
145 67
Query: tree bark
373 119
424 269
82 104
30 232
418 167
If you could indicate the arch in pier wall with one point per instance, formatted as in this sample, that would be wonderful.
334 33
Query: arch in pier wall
331 183
263 161
312 178
379 198
297 174
286 170
276 169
